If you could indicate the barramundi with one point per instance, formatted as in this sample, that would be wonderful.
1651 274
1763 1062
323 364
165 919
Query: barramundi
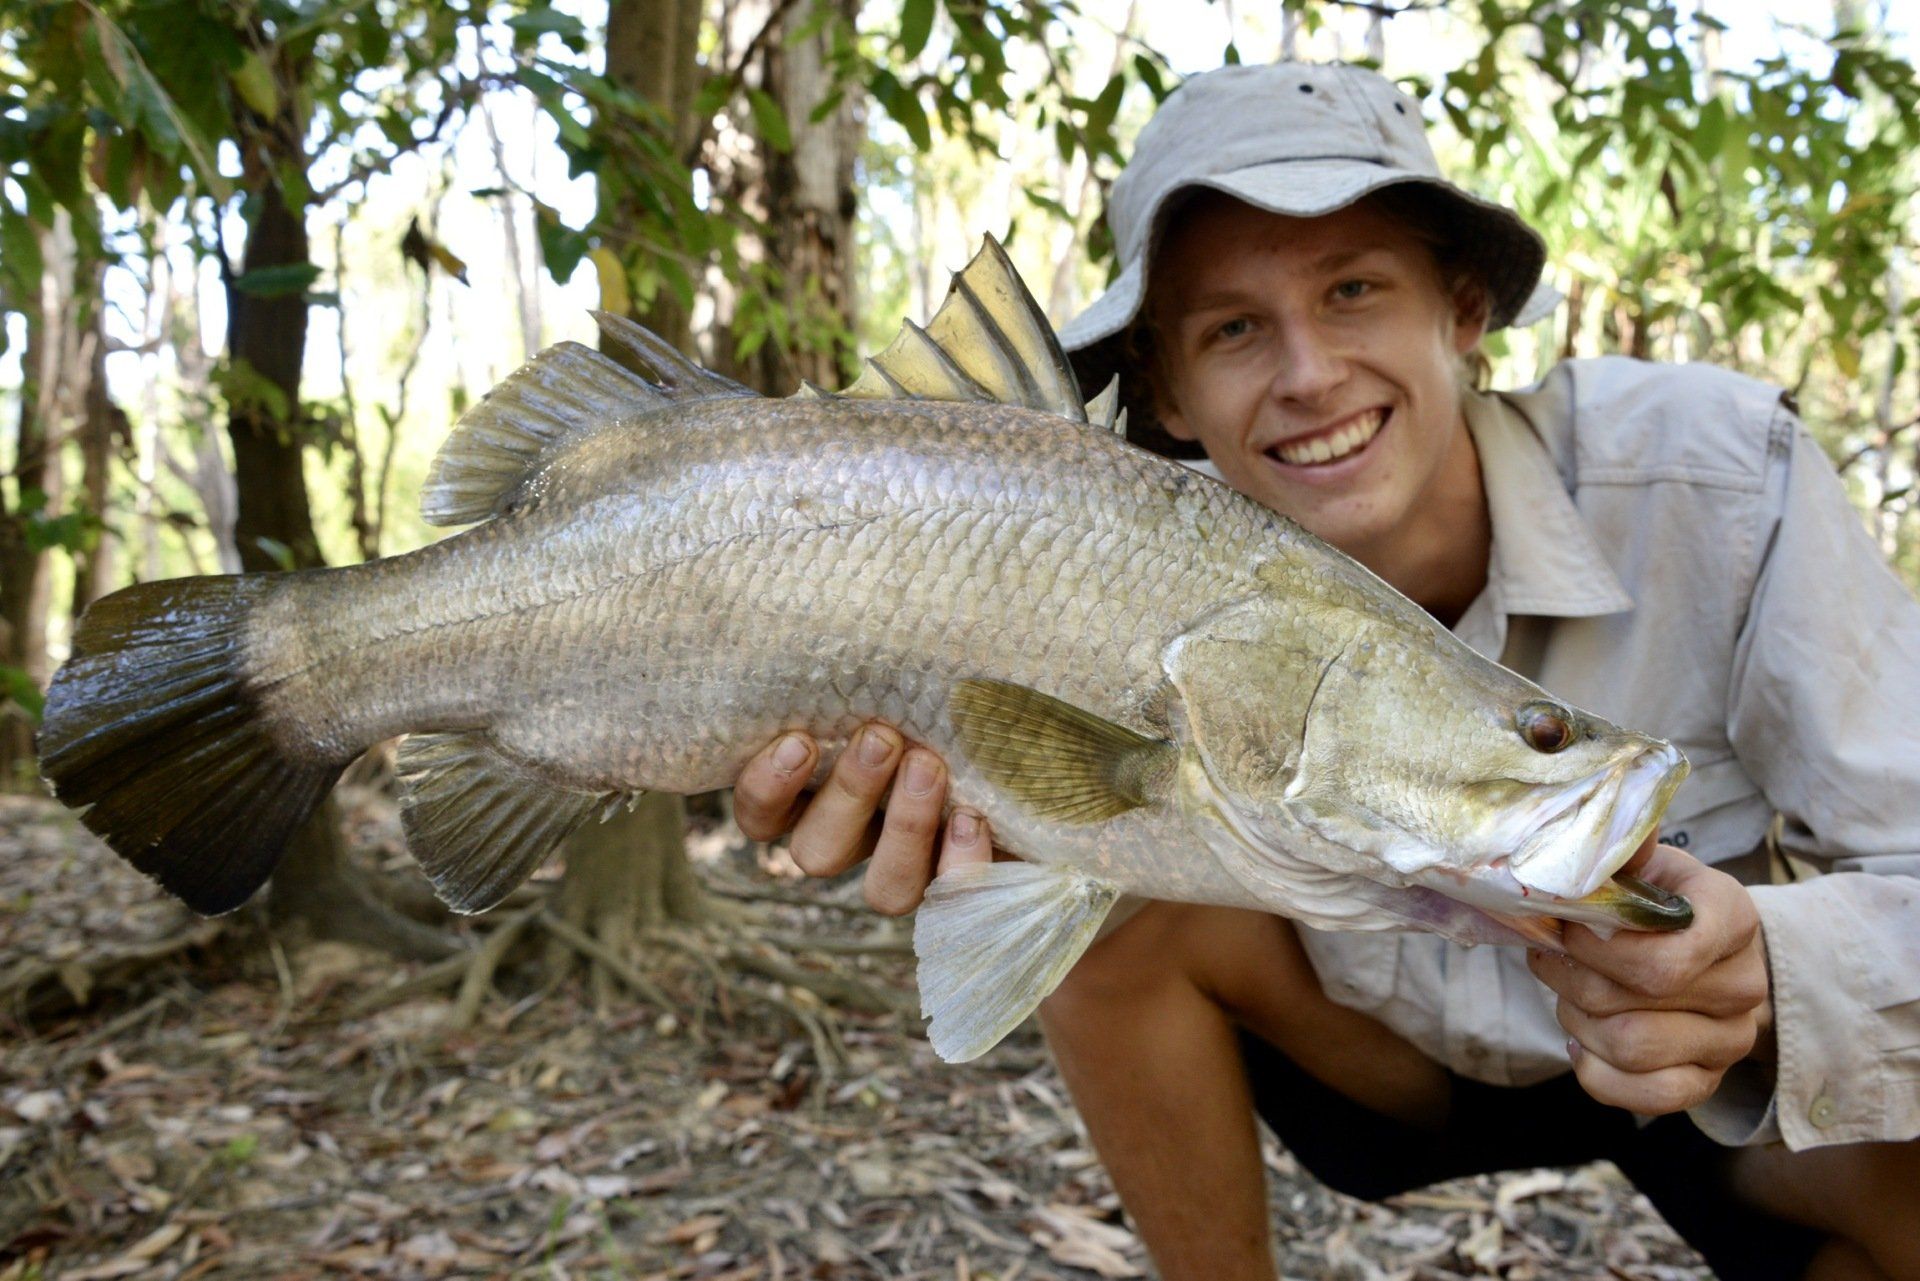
1148 683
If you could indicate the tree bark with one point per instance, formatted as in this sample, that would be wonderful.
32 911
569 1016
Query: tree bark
102 426
810 203
25 572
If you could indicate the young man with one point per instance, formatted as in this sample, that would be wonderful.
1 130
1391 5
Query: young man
1663 545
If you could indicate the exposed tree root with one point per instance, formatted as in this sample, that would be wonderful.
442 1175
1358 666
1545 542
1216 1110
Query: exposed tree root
318 888
477 981
602 955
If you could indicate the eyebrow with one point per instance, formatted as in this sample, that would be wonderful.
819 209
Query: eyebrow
1233 297
1346 257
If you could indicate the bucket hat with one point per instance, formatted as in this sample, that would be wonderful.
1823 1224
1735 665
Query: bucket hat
1300 139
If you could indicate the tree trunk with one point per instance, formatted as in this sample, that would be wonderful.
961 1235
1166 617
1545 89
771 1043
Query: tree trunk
102 426
315 885
626 876
810 203
23 570
46 403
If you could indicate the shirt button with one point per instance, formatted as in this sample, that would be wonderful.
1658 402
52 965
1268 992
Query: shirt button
1824 1111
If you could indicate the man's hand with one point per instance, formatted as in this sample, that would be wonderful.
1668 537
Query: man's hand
1655 1020
840 825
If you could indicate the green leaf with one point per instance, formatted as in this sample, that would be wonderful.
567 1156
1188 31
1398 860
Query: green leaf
904 106
278 281
154 109
278 552
548 21
770 119
19 689
560 245
253 81
916 24
1100 115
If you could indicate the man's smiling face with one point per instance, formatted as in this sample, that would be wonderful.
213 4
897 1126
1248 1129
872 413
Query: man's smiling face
1315 359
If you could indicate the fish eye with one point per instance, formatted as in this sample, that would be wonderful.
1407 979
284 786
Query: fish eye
1547 727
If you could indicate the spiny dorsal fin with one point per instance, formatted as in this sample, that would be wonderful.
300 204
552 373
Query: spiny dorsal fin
567 392
988 342
1060 761
478 822
1104 410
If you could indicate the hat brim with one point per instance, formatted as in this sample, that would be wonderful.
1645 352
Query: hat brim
1506 254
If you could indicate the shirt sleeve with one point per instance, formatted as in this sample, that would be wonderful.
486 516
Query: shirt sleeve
1824 714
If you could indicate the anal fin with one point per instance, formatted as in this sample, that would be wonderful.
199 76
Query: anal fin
479 822
992 941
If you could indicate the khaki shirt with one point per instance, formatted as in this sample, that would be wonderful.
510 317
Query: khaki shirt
1673 552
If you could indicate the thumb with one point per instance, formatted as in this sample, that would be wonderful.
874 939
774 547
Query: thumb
1641 857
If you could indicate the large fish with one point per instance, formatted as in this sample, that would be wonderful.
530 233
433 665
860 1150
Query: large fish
1147 682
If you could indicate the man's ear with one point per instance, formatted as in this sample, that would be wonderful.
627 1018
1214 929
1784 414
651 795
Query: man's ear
1160 395
1172 421
1471 307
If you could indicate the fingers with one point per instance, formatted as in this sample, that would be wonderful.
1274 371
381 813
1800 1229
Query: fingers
1666 966
968 842
1648 1041
1671 1089
835 831
767 795
841 825
903 857
1723 990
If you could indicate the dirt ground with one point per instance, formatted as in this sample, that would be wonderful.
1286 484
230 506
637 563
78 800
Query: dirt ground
237 1107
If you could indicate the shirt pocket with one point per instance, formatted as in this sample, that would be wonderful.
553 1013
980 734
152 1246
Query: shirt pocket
1718 813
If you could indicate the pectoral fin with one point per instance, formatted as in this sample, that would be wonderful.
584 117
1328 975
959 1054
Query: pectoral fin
1060 761
993 941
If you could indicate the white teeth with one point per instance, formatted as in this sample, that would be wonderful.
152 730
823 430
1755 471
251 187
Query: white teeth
1324 449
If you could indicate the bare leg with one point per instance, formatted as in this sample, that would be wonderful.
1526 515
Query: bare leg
1866 1194
1143 1030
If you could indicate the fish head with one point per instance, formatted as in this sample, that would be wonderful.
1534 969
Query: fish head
1330 739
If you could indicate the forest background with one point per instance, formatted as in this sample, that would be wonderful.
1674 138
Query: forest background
257 255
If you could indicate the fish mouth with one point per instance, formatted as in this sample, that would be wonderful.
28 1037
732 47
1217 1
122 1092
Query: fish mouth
1594 826
1567 866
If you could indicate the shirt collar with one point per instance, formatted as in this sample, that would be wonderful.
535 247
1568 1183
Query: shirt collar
1544 559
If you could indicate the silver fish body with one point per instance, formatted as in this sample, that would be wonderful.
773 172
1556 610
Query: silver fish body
1148 683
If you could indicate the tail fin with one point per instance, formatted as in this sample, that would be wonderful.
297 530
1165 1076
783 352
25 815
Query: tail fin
149 726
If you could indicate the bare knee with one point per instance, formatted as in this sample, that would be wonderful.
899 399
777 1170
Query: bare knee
1180 952
1862 1193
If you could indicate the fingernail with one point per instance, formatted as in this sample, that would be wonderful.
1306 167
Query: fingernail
921 775
790 754
1575 1051
965 827
874 747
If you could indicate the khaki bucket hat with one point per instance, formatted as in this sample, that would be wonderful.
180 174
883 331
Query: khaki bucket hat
1292 138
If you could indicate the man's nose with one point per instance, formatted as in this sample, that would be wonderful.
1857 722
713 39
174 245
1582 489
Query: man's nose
1311 365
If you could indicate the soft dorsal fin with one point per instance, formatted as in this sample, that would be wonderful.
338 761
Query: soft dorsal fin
567 392
988 342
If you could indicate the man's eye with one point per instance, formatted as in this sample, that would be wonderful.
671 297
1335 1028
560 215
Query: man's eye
1234 328
1350 289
